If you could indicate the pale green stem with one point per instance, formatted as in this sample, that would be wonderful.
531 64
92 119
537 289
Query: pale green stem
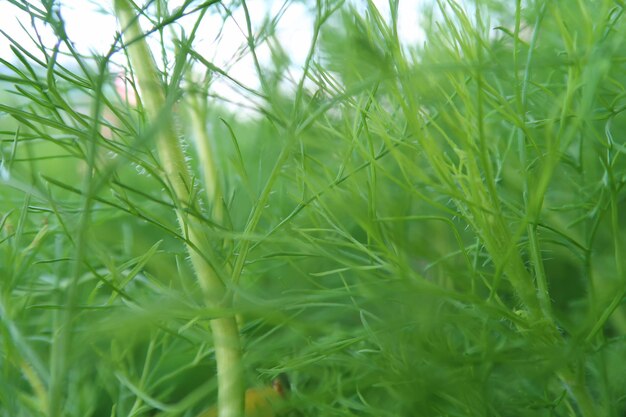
176 172
197 111
543 292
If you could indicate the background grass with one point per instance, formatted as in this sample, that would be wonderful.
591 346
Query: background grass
414 230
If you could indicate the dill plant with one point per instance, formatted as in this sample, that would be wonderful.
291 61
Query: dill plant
405 230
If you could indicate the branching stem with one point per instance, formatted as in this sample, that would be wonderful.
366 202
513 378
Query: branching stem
176 173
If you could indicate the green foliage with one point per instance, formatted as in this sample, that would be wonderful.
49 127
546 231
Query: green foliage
407 230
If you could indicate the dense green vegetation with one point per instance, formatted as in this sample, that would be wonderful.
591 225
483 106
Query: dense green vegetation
404 230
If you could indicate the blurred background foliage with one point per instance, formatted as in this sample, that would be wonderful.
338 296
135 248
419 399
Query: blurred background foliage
381 203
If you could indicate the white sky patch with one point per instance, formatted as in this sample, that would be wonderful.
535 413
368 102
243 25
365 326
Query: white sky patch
221 39
409 11
24 35
91 27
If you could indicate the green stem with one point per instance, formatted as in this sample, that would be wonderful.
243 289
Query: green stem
197 112
176 172
574 381
543 292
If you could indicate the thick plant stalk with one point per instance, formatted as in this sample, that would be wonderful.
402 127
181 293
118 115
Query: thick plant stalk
170 153
197 111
